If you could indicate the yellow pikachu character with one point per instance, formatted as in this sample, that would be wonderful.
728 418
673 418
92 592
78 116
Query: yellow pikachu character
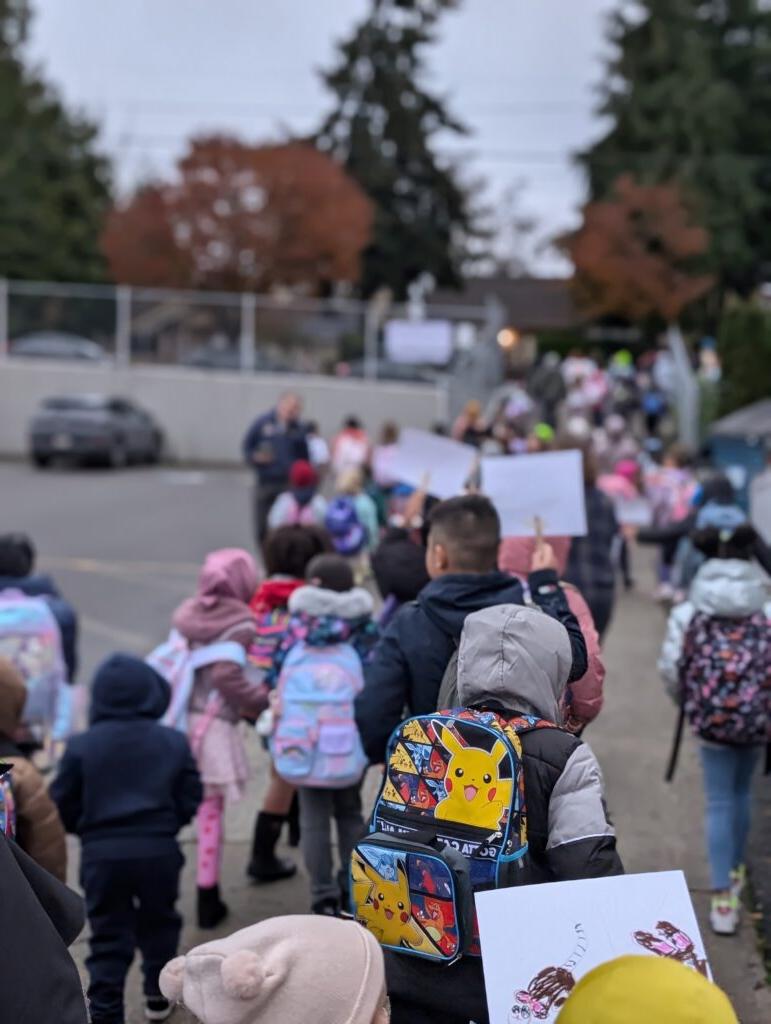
476 794
386 911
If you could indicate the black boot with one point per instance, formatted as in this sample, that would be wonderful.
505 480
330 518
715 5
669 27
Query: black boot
264 865
211 910
293 820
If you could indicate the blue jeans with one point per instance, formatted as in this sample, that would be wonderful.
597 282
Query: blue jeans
728 791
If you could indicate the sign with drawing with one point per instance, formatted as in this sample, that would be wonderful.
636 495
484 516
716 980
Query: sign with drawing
528 488
573 927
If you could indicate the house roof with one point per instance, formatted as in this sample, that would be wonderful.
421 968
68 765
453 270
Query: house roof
531 303
751 421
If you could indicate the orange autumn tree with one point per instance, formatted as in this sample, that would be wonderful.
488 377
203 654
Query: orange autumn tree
243 218
637 254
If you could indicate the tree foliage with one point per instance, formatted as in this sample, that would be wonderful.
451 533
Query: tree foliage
688 97
636 254
384 128
54 187
744 344
240 217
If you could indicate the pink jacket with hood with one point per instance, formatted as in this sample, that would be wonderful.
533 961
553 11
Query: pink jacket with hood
220 611
583 699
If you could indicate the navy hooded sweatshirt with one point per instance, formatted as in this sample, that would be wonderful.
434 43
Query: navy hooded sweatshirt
128 784
408 664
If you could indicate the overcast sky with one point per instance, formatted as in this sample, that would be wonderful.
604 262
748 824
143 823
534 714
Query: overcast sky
520 73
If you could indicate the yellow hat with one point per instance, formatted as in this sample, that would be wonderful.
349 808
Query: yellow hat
641 989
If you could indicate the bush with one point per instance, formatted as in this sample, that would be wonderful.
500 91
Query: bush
744 344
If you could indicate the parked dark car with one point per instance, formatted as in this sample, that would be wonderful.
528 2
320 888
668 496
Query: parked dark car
93 428
56 345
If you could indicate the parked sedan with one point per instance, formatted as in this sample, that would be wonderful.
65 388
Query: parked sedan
93 428
56 345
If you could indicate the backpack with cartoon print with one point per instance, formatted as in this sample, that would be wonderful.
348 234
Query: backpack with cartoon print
450 820
725 673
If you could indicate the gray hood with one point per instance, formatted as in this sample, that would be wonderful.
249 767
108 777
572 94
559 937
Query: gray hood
317 602
729 587
518 657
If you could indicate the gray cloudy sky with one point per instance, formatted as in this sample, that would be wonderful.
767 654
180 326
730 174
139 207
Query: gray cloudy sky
520 73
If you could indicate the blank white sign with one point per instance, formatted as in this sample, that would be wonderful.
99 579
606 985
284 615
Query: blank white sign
549 487
419 341
539 940
446 463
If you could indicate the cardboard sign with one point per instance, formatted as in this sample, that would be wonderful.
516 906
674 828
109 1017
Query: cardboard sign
636 512
538 940
442 464
529 488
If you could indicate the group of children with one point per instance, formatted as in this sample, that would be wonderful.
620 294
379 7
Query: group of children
494 633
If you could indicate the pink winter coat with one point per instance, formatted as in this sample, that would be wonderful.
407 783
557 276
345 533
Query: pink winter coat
583 699
220 611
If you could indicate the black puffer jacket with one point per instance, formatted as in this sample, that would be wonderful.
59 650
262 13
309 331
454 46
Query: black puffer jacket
408 664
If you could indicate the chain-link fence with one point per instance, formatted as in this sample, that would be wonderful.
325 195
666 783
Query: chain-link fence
210 330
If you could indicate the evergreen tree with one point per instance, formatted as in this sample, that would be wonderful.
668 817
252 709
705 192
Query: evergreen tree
54 189
688 95
383 129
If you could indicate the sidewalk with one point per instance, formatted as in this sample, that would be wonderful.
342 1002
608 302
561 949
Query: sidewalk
659 826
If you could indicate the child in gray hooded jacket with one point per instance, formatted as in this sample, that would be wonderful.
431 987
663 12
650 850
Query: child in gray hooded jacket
516 660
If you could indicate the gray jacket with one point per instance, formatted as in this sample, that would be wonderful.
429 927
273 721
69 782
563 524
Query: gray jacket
517 659
727 587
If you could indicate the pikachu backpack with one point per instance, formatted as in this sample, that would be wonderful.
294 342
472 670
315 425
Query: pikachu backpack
449 820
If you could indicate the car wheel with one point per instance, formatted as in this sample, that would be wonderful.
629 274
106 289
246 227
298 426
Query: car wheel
41 461
155 452
118 457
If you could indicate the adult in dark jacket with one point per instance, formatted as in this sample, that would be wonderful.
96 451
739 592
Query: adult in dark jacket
39 919
17 564
126 786
272 444
515 661
409 663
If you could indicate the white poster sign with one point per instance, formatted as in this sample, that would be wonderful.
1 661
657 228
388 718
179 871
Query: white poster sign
419 341
527 488
442 464
573 927
633 512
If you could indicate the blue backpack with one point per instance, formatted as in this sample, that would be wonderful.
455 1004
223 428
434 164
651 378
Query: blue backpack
344 526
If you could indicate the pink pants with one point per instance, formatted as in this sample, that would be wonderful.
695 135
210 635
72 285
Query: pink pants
210 835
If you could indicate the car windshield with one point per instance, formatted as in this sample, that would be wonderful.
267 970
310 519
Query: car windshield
82 402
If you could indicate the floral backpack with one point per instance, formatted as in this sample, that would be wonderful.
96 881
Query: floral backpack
725 672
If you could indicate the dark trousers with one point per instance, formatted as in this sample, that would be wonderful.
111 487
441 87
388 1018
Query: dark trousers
130 905
265 495
426 993
601 606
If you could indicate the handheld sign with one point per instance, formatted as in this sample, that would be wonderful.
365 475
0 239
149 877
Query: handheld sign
547 488
634 512
436 464
572 927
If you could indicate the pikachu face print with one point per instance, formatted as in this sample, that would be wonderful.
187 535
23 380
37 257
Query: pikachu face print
476 793
384 907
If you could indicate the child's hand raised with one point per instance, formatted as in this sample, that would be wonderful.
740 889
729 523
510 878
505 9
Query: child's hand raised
543 557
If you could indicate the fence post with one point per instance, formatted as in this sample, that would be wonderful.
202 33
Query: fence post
248 336
5 325
687 399
123 326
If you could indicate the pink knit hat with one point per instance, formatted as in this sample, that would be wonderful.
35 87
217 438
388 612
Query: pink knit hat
286 970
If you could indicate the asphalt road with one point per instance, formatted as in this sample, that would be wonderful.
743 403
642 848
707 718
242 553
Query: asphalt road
125 548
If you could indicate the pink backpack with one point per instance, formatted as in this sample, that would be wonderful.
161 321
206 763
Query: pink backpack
300 515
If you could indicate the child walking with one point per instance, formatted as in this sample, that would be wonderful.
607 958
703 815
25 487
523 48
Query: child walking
221 694
319 665
126 786
716 662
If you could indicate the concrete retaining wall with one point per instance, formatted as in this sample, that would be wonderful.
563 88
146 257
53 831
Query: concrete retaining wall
204 415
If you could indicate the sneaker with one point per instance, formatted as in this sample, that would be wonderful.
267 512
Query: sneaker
326 908
724 915
738 882
157 1008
